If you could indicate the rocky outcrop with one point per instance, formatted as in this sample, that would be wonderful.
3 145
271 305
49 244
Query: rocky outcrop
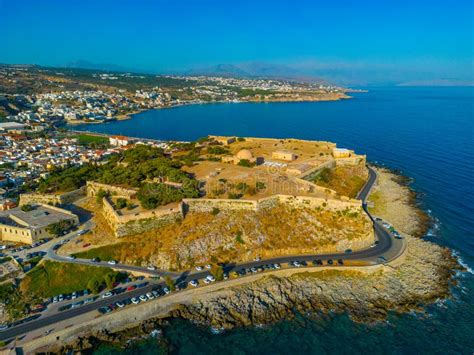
423 277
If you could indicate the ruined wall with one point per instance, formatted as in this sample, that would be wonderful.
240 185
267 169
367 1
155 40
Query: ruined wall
52 199
93 188
140 222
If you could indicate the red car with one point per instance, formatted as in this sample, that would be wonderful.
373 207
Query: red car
86 245
131 288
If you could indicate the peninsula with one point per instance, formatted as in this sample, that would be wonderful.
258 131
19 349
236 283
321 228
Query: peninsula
224 231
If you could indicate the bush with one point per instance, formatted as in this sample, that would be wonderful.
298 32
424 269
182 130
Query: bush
59 228
246 163
238 238
27 208
217 150
215 211
218 272
121 203
170 283
260 185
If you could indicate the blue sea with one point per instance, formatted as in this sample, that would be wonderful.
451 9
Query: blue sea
426 133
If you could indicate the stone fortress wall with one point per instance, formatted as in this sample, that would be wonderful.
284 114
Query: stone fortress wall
93 188
128 224
52 199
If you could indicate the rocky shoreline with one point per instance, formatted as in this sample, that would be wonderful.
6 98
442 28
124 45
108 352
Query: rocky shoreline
425 275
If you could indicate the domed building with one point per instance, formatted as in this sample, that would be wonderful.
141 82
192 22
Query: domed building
244 154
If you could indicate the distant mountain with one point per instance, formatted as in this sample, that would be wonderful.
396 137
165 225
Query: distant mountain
256 70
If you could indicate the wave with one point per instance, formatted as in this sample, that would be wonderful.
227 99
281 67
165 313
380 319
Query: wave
461 262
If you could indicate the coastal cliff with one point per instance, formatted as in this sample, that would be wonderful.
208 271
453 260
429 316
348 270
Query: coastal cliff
423 276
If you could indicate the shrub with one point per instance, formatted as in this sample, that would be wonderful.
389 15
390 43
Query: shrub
218 272
121 203
238 238
27 208
246 163
215 211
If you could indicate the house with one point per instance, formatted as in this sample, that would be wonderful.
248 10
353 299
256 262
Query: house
119 141
223 140
341 153
285 155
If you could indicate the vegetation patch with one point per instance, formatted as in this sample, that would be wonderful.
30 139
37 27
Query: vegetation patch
53 278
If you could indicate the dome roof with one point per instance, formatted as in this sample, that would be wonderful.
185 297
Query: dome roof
244 154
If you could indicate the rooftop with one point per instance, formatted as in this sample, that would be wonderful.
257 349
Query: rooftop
39 217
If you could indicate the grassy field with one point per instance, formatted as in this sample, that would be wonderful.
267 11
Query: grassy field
53 278
105 253
346 181
88 139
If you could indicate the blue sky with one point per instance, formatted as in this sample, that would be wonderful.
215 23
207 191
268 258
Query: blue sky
396 40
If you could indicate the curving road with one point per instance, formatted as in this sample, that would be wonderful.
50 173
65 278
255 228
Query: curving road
386 249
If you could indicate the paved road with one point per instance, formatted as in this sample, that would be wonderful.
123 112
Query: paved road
386 247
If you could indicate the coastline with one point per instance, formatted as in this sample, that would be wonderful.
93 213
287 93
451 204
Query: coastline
129 116
424 276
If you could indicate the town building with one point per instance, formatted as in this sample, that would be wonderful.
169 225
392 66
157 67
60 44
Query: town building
119 141
27 226
285 155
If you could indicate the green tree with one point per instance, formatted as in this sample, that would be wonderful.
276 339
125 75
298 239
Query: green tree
94 285
218 272
170 283
110 279
59 228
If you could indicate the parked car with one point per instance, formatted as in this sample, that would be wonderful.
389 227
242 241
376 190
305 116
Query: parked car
143 298
111 262
107 294
198 268
194 283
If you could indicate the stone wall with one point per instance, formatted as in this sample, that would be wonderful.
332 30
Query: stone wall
140 222
93 188
52 199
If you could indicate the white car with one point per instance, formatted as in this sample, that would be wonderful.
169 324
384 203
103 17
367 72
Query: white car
207 281
194 283
257 259
151 267
107 294
166 290
135 300
120 304
112 262
253 269
70 257
277 266
208 266
150 296
211 278
143 298
3 247
198 268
